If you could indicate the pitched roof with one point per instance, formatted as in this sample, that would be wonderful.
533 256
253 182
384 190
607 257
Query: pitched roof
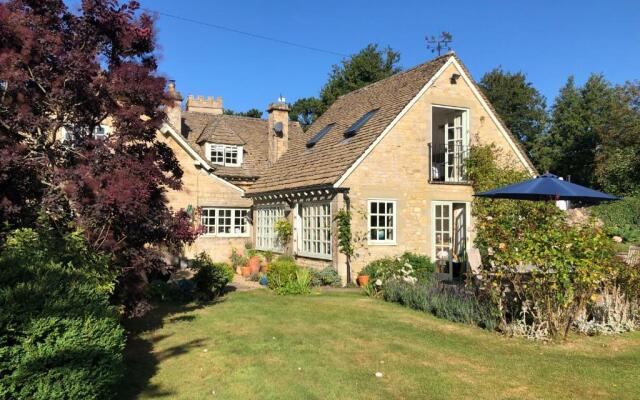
251 133
326 162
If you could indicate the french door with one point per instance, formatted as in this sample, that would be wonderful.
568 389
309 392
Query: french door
454 131
449 238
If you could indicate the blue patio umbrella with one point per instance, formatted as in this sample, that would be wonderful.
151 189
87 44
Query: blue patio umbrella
547 187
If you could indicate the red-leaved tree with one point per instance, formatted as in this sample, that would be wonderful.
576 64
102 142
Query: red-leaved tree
73 70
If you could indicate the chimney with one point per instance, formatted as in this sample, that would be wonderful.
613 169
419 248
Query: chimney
174 110
202 105
278 129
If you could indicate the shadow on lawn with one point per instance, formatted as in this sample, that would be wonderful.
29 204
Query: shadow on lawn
141 362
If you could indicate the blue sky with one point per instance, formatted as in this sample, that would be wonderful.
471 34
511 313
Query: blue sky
548 40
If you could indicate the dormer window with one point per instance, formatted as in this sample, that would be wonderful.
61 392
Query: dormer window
224 154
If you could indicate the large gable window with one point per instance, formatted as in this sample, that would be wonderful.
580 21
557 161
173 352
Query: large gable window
315 232
224 154
266 236
382 221
225 221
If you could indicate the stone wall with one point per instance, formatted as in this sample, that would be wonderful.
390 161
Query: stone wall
202 189
398 169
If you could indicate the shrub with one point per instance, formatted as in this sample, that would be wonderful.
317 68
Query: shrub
210 277
172 291
422 265
327 276
451 303
540 271
285 277
621 218
409 265
237 260
59 335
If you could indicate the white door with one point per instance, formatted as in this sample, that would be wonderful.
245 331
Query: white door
454 145
441 238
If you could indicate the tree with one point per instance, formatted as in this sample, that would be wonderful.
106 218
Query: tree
306 110
73 71
521 106
618 157
361 69
577 116
252 113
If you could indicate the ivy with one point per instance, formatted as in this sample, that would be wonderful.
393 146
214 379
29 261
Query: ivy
345 237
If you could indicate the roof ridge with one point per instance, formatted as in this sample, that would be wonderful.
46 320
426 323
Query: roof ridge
244 117
396 75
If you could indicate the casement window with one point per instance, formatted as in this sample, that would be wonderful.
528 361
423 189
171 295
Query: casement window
382 221
224 154
100 132
225 221
266 237
315 230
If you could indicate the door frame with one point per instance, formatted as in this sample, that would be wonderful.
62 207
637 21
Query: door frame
467 219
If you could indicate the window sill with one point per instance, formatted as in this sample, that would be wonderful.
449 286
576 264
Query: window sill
460 183
225 236
315 256
382 243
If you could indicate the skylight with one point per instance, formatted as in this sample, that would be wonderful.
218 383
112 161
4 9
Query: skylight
359 123
319 135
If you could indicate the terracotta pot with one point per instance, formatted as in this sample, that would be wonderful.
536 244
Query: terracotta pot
265 268
246 271
254 264
363 280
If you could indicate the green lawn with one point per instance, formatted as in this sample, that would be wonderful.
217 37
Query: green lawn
329 345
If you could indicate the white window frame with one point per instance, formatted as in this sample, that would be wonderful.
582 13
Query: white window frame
225 152
315 233
465 134
265 228
394 227
220 221
100 132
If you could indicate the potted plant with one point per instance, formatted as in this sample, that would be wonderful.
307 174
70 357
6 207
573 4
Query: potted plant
363 279
254 263
268 257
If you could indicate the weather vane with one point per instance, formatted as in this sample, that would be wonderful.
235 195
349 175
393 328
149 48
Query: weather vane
439 43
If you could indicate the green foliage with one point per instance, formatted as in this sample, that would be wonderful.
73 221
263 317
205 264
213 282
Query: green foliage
172 291
536 266
618 157
577 116
408 265
284 230
237 259
621 218
253 113
451 303
59 335
367 66
210 278
327 276
268 255
286 277
521 107
343 218
306 110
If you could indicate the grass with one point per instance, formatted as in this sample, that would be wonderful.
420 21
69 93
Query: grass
329 345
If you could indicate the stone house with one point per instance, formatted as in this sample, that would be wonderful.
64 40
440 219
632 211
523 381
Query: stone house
392 153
